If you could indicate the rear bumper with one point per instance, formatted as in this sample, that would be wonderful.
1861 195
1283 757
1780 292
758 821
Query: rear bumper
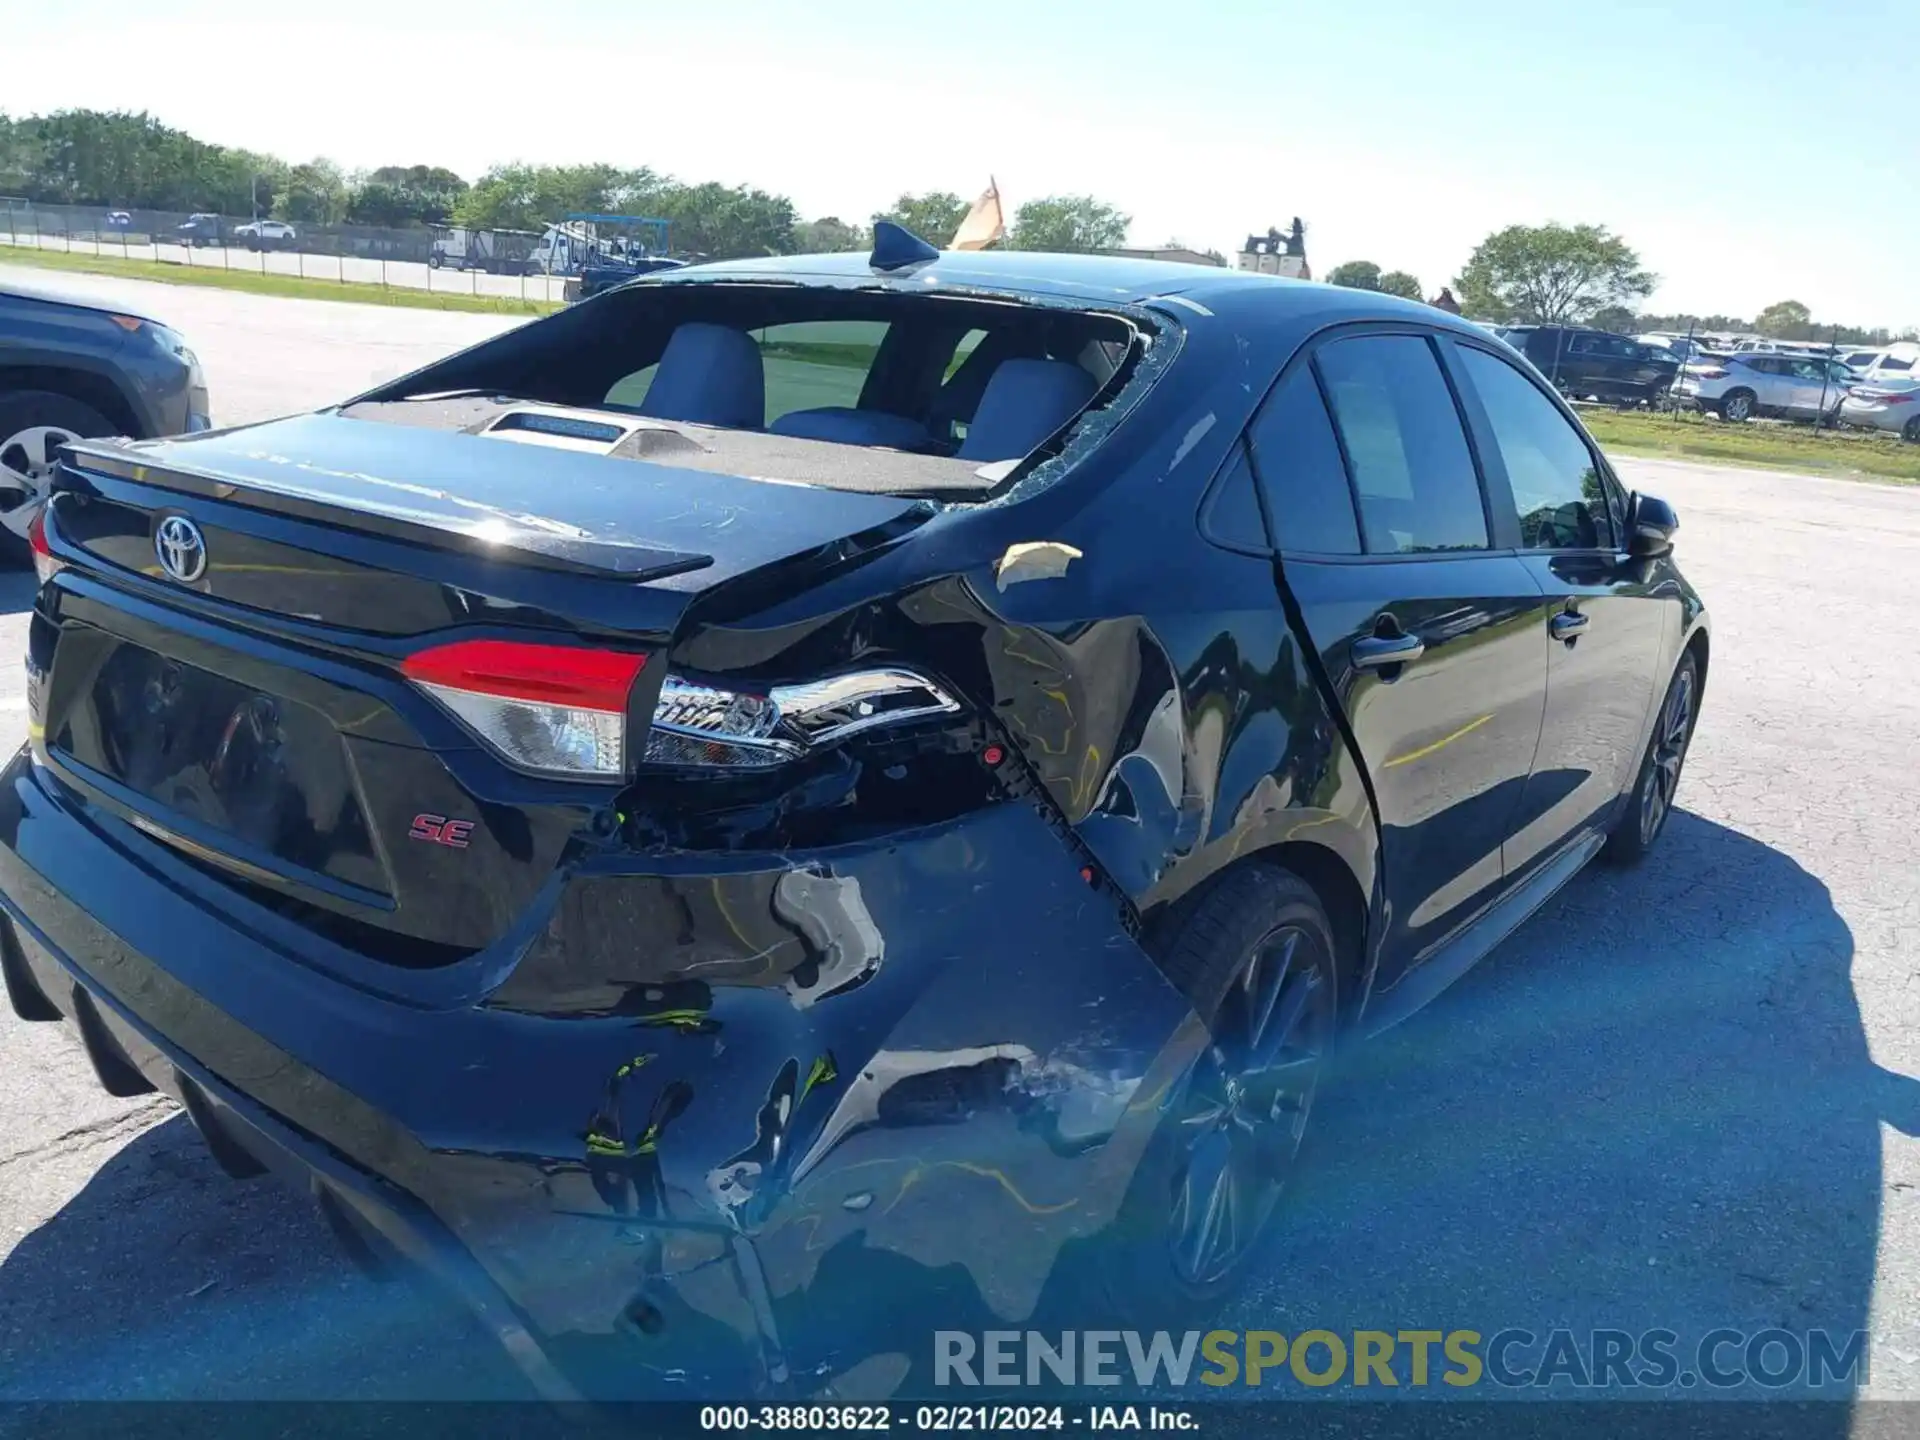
733 1117
1879 417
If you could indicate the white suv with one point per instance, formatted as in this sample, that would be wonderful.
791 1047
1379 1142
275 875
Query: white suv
1740 387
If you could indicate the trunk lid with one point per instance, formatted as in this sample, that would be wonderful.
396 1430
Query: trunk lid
250 713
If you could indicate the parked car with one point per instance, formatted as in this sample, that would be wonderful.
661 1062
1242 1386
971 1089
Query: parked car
266 235
1897 361
72 369
199 230
1885 404
117 220
1739 387
874 805
1595 364
1683 348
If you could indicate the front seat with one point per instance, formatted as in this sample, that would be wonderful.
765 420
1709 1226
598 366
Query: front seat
709 375
1024 403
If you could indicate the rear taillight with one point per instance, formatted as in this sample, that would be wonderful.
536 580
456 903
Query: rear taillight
701 726
45 563
1715 374
555 709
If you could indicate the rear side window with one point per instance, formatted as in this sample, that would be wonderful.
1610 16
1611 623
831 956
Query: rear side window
817 363
1556 486
1301 473
1412 471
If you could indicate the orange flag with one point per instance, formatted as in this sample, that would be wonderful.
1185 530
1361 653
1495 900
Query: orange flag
983 224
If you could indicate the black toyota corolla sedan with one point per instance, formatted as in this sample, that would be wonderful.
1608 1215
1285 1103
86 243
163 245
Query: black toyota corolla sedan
795 789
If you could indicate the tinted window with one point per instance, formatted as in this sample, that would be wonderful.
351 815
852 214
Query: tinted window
1411 468
1585 345
1230 515
1887 362
1301 471
1556 486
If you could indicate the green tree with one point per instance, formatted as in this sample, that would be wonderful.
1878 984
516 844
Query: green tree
933 216
1785 320
830 235
1550 274
531 197
726 222
400 195
1617 318
1399 282
315 194
1068 224
1355 275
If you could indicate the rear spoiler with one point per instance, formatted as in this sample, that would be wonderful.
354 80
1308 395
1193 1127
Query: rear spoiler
496 535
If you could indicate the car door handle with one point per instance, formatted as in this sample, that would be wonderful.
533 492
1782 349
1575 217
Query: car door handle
1375 652
1566 625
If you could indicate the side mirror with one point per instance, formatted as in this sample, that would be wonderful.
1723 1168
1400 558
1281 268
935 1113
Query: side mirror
1650 526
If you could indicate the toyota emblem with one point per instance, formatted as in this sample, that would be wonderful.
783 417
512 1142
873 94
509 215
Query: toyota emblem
182 549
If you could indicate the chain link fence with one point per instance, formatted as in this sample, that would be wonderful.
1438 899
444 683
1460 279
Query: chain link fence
409 257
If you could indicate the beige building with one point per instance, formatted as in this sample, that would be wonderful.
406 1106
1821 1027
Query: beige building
1179 254
1277 254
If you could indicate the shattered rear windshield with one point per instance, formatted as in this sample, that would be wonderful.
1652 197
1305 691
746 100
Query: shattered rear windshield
944 396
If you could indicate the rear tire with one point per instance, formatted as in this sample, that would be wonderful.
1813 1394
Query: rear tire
1737 406
1651 802
1910 432
1256 956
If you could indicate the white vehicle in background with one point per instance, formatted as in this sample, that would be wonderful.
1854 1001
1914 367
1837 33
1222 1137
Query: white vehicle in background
1687 348
1739 387
1898 361
1885 404
266 235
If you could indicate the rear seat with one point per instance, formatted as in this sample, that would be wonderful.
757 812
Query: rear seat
1024 403
846 426
709 375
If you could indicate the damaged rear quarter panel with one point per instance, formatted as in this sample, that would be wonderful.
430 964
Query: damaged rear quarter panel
944 1048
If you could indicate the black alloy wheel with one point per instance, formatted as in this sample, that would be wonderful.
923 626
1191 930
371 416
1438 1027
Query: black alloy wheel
1653 794
1247 1102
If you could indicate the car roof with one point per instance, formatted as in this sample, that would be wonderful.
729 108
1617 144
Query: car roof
1198 293
27 290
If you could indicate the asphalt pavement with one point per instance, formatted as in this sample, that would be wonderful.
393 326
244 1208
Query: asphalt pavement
1681 1097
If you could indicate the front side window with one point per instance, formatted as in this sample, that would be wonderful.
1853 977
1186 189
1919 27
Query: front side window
1556 484
1412 471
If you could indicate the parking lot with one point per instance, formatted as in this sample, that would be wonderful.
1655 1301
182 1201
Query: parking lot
1679 1097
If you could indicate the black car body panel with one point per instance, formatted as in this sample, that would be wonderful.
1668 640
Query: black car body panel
681 1059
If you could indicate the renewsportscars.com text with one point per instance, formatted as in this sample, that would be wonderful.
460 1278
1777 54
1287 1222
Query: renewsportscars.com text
1461 1359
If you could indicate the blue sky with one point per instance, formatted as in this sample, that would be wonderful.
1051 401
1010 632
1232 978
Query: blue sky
1752 153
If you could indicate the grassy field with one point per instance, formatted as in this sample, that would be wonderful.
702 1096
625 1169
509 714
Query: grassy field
1871 455
286 286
